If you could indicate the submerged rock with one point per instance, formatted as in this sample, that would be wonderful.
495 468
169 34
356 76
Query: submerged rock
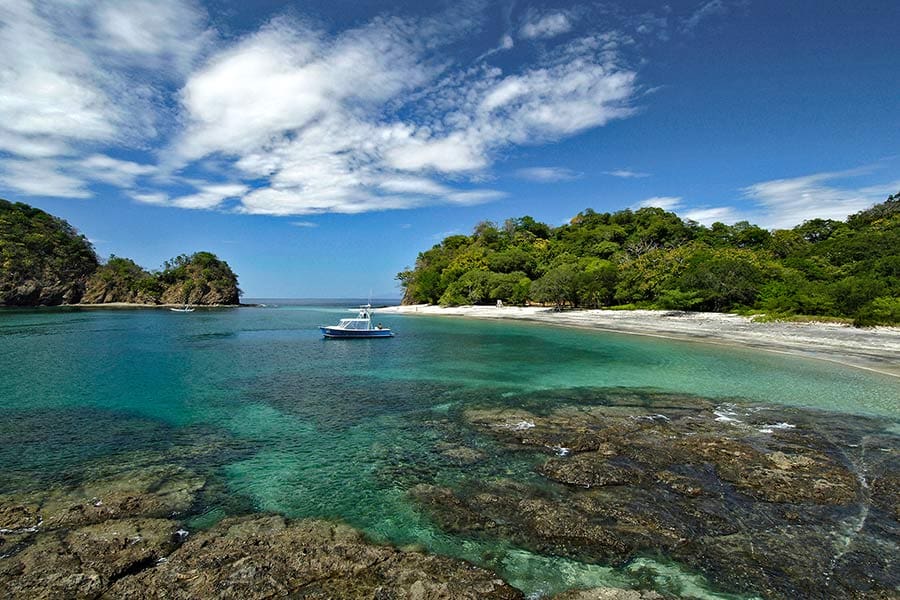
608 594
781 502
158 491
263 557
116 538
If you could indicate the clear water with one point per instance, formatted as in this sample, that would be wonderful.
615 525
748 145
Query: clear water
309 427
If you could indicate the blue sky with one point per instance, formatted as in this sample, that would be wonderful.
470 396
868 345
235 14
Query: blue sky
319 146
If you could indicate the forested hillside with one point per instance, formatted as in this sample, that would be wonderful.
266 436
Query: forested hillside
651 258
45 261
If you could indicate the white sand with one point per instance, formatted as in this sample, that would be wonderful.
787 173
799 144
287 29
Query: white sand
876 349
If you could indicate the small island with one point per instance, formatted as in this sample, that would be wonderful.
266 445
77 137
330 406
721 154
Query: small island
47 262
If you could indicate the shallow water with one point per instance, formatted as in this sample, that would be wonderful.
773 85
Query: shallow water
309 427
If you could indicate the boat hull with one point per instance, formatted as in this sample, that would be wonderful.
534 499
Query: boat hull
333 332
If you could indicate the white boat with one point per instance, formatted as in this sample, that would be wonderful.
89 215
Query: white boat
185 308
359 327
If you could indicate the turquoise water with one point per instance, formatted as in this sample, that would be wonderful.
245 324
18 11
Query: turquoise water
309 427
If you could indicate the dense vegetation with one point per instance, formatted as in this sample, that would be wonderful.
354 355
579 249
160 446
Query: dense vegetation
200 278
44 260
651 258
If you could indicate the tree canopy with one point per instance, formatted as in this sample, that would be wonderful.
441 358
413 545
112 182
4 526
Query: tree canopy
655 259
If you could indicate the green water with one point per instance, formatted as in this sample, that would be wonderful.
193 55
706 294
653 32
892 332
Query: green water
308 427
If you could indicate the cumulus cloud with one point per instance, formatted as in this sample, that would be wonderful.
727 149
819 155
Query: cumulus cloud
121 173
157 34
788 202
294 119
41 178
547 174
68 85
371 120
546 26
154 198
209 196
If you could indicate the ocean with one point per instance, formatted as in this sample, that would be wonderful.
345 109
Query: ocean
277 419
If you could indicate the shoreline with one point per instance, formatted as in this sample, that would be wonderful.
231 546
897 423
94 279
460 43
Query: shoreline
873 349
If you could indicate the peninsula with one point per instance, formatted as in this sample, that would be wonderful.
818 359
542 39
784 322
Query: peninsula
47 262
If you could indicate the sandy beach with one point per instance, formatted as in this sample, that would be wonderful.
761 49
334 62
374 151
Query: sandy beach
876 348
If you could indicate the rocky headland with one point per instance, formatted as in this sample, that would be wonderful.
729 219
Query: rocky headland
44 261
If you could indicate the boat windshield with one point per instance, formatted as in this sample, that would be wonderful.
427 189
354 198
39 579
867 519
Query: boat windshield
354 324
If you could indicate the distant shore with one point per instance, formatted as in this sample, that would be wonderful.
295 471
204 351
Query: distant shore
127 305
875 349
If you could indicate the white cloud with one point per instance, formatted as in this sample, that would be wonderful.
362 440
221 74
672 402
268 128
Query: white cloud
41 178
785 203
472 197
156 34
210 196
413 185
669 203
788 202
708 216
506 43
626 174
50 88
300 120
306 224
546 26
456 152
121 173
547 174
31 147
154 198
78 76
704 11
319 118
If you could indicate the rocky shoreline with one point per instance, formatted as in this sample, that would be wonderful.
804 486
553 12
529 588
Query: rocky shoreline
783 503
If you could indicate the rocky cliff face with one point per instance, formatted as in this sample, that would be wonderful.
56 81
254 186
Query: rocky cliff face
41 291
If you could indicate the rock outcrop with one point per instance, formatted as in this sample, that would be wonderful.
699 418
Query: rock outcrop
120 538
779 502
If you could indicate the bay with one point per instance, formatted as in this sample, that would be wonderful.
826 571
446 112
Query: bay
308 427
